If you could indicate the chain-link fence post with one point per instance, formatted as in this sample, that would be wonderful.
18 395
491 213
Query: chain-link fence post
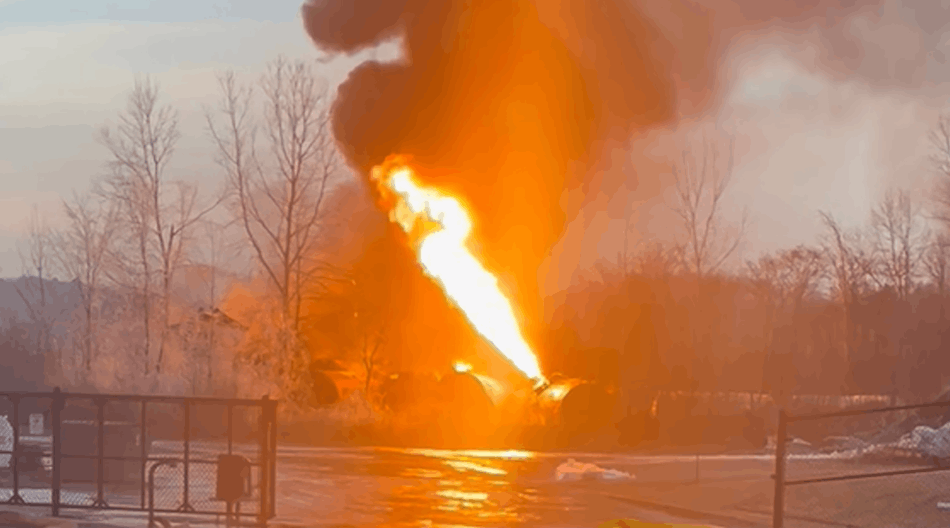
272 418
55 416
778 508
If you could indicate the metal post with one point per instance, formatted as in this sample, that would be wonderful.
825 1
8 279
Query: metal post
144 446
55 417
151 494
151 489
778 508
272 414
263 424
100 501
15 456
697 467
187 505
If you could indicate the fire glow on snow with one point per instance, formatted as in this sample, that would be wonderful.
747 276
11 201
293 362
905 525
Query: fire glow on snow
445 257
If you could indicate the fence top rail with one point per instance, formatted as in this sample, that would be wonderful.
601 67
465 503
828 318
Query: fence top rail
858 412
138 397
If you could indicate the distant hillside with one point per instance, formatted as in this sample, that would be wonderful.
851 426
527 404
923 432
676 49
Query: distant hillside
192 288
22 367
61 298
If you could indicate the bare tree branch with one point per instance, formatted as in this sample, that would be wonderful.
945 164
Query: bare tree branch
940 142
701 179
159 212
281 203
899 237
936 262
81 250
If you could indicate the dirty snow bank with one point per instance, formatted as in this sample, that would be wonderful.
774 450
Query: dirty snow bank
921 441
927 441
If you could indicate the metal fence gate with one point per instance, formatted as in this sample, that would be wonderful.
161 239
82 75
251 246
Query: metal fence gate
135 453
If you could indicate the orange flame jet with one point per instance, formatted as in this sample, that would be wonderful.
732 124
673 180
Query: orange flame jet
440 226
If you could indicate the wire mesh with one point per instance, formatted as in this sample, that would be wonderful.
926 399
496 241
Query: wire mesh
109 444
6 450
25 462
871 468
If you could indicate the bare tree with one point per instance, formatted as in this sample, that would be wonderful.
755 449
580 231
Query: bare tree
702 175
782 282
372 333
851 264
850 259
787 278
936 262
80 251
648 258
280 201
940 142
36 262
658 260
159 211
936 255
218 251
899 235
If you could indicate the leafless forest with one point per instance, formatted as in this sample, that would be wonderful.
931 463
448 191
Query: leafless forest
282 281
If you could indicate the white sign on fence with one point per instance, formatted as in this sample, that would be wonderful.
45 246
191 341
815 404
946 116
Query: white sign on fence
36 424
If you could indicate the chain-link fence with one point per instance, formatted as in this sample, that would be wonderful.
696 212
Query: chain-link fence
135 453
882 467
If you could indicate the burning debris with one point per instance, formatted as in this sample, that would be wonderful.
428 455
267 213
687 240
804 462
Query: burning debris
498 120
438 227
501 124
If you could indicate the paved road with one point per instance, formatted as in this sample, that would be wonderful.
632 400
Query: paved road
395 488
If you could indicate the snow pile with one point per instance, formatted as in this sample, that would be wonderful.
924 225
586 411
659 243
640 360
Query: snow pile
928 441
574 470
6 441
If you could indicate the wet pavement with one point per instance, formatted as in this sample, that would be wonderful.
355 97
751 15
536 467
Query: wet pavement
395 488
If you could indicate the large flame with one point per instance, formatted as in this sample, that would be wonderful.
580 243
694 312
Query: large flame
440 227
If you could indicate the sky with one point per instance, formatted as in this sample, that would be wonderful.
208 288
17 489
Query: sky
826 117
66 69
806 141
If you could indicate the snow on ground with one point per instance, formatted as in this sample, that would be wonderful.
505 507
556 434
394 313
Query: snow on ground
922 441
574 470
928 441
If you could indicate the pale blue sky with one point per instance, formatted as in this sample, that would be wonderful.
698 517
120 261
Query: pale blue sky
14 13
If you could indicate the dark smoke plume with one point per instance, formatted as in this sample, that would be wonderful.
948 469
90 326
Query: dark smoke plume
510 103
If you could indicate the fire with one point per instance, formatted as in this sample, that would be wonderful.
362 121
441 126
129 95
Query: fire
461 367
440 227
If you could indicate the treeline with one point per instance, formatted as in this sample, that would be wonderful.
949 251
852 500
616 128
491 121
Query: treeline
863 311
286 275
151 257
